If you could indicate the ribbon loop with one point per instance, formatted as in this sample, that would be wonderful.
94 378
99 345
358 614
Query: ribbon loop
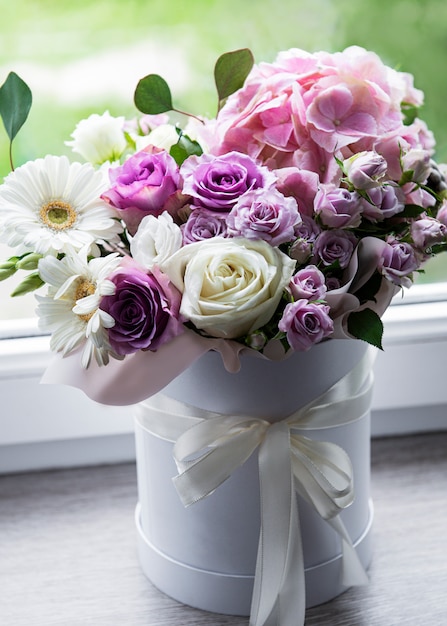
323 475
222 444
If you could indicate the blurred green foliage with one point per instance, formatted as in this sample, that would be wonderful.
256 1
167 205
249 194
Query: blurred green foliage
46 42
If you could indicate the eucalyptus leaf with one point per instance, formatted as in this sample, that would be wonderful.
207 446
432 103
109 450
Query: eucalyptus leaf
367 326
30 283
152 95
231 70
15 104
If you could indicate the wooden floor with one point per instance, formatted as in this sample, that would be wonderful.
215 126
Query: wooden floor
68 549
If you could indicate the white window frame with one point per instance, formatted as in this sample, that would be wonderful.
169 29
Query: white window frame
46 426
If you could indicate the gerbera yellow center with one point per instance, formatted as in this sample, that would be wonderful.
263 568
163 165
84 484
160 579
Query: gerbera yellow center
58 215
84 288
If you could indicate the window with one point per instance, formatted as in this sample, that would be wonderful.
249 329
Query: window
88 57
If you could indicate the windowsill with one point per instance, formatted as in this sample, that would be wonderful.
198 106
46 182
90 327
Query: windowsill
54 426
76 530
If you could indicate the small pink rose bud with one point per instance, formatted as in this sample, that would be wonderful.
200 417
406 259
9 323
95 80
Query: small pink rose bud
418 162
365 169
427 232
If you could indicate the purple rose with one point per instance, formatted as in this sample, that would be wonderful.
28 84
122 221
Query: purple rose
203 224
306 232
305 324
308 283
333 246
442 213
142 185
417 163
383 202
332 283
307 229
398 261
338 207
264 214
217 182
428 231
145 308
365 169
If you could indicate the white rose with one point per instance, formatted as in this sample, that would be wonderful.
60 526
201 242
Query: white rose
156 240
99 138
164 136
230 287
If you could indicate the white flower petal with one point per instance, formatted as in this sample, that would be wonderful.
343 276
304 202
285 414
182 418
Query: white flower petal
30 193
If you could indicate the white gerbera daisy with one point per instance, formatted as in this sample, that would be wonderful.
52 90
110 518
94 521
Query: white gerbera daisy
70 309
49 204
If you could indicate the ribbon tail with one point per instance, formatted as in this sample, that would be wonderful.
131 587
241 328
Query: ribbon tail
353 573
279 597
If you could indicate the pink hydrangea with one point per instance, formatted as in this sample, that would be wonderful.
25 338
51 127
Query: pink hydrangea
303 108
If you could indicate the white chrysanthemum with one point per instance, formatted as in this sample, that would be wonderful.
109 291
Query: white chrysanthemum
49 204
163 136
99 138
156 240
70 310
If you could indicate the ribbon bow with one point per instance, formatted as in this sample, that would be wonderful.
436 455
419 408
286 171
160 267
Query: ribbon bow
210 446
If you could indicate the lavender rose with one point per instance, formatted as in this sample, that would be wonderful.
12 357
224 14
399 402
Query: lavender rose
428 231
203 224
365 169
333 246
308 283
217 182
306 232
305 324
264 214
417 163
338 207
442 213
142 185
145 308
398 261
383 202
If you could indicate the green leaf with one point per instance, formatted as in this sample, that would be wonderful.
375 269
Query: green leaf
230 72
411 210
31 283
367 326
184 148
152 95
410 112
438 248
406 177
15 104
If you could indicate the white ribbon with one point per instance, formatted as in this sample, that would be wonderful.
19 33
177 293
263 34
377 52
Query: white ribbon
210 446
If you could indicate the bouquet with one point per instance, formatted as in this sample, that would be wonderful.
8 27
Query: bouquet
292 217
